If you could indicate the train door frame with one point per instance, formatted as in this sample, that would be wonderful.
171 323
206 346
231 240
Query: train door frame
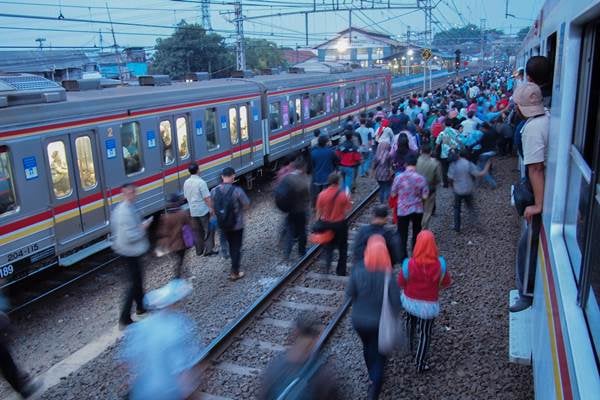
296 129
182 172
67 228
170 185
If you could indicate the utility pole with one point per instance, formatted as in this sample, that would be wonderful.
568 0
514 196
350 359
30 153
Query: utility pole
427 7
408 35
350 29
482 27
101 40
206 15
306 27
240 55
117 54
41 41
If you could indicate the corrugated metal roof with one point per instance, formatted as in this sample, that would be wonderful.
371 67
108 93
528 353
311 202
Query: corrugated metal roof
41 60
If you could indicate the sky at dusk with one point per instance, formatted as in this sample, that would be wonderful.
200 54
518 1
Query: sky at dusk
284 30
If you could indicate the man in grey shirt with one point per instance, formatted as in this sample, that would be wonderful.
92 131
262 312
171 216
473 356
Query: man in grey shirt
129 240
197 195
462 174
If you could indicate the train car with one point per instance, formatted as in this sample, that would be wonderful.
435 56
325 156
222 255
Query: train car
564 321
63 158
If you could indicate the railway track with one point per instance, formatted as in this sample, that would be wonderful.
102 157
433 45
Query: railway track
232 363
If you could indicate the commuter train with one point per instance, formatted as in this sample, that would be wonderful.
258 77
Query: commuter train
565 317
64 156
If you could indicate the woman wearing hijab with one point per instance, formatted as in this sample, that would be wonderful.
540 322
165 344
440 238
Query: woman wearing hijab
382 168
365 289
422 277
403 150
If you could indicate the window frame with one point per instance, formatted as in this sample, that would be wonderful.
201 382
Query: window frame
139 146
351 97
66 161
236 125
91 149
162 141
187 137
9 164
215 128
246 115
317 99
279 116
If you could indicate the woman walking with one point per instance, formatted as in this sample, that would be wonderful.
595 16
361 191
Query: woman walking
382 167
174 224
422 277
365 289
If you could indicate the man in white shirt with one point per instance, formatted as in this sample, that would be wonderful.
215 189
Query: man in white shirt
471 123
473 91
534 136
197 195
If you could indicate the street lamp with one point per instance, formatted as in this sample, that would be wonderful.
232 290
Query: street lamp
410 52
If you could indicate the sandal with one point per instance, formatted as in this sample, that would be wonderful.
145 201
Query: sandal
235 277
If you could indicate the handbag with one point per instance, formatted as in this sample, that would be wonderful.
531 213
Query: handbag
392 330
189 238
523 196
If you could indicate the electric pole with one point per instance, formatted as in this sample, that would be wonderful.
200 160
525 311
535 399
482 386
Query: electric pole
240 55
41 41
482 27
117 54
206 15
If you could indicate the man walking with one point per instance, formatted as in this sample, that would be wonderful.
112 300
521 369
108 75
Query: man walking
333 204
297 188
411 189
377 227
131 242
230 202
197 195
365 149
349 157
323 161
431 170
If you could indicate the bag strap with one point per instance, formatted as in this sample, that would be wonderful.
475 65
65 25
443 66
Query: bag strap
405 268
442 268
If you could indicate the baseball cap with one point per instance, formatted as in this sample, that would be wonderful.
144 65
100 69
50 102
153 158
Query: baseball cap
528 97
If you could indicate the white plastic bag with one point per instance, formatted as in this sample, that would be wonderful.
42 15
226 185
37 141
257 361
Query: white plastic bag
389 324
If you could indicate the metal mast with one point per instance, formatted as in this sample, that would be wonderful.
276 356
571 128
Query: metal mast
240 55
206 15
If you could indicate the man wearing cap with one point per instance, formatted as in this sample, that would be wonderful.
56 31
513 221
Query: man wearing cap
534 137
222 195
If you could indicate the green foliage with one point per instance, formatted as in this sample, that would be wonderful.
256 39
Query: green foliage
522 33
192 49
468 33
261 53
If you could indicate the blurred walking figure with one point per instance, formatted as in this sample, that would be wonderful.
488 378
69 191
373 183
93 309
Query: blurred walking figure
349 158
431 170
298 373
324 161
18 379
377 227
230 202
366 135
174 231
365 289
130 241
333 204
162 350
197 195
422 276
384 174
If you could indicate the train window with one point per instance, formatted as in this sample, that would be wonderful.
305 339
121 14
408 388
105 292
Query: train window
291 112
166 136
298 109
317 105
130 140
244 132
8 200
336 101
85 162
372 88
59 170
210 128
275 115
182 137
349 96
233 126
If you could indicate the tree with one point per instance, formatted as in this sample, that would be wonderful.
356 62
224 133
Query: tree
191 49
467 33
522 33
261 53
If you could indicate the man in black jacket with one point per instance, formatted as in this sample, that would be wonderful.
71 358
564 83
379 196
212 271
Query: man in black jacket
377 226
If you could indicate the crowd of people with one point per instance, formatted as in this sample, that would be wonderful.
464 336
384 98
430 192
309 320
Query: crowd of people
445 138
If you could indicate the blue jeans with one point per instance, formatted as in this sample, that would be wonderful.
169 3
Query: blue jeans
385 188
366 163
483 159
373 359
348 177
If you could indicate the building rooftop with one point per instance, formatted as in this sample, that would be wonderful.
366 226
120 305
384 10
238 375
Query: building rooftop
41 60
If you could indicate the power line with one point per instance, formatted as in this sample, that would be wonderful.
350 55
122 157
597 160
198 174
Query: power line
81 6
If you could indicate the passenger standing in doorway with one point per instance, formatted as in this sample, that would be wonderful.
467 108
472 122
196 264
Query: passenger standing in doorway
333 204
230 202
130 241
197 195
410 188
529 100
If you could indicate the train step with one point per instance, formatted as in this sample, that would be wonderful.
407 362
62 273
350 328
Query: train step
83 253
519 333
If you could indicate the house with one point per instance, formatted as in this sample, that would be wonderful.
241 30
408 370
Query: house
130 63
293 57
56 65
358 46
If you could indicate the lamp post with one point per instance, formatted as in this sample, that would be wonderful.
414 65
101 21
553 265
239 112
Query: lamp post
404 67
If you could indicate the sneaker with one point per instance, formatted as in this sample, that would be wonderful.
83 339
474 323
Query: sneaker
523 303
211 253
124 323
235 277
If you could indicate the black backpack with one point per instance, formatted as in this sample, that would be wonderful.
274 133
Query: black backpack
284 196
225 209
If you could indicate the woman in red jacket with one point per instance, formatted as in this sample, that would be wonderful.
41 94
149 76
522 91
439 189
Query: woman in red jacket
422 277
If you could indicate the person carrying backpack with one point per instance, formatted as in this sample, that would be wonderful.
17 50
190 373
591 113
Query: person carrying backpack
230 202
292 196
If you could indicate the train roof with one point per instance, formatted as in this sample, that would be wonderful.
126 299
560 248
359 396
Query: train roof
90 103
